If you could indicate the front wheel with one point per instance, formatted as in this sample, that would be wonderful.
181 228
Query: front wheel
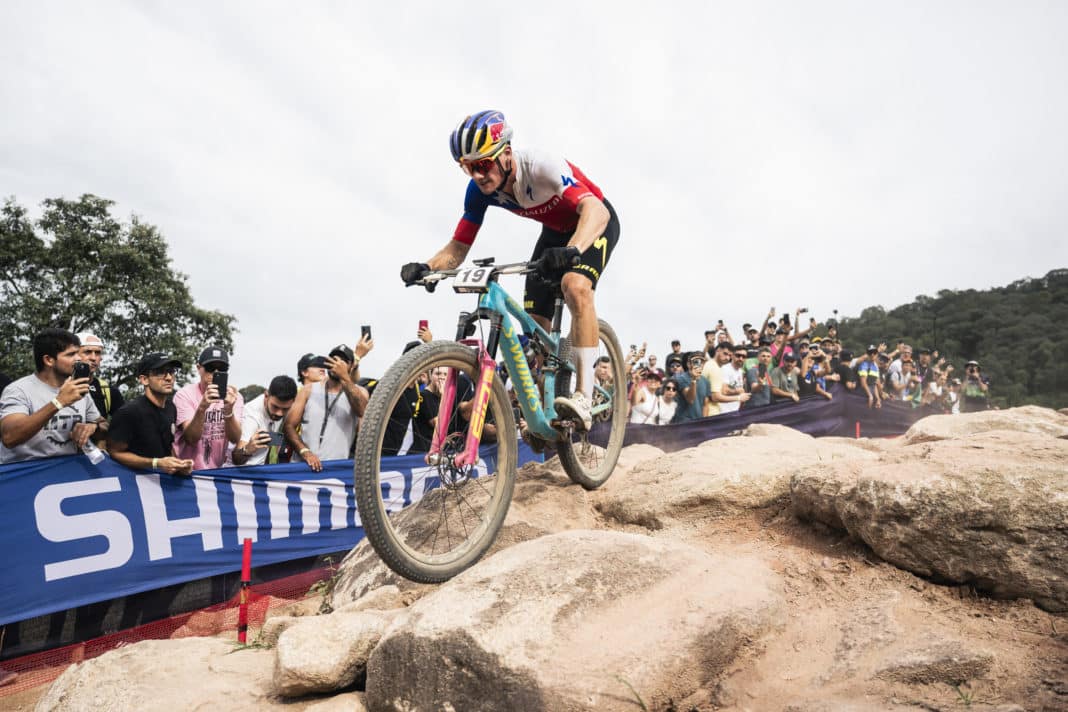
439 520
585 462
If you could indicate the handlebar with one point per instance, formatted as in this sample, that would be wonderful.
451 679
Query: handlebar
430 279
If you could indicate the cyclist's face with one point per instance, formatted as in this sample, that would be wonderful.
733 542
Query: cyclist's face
487 172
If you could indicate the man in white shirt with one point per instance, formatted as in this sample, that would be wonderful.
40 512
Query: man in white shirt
263 418
733 388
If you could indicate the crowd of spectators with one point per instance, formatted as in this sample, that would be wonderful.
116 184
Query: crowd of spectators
779 361
59 410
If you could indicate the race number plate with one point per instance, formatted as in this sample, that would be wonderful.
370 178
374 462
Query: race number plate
474 279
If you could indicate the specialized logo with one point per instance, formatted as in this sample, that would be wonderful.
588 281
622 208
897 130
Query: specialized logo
523 377
478 418
567 181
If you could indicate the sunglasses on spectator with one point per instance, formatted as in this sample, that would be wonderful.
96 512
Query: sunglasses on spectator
740 354
160 372
213 367
483 165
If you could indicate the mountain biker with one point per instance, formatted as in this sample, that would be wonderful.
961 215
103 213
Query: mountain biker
576 222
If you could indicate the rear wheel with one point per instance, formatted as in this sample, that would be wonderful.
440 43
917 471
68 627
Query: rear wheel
585 462
439 520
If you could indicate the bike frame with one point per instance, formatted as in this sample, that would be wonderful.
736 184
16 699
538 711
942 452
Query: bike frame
538 411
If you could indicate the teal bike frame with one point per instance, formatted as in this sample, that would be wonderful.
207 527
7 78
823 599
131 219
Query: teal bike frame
538 411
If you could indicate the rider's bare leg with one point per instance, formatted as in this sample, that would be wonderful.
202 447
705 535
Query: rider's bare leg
578 294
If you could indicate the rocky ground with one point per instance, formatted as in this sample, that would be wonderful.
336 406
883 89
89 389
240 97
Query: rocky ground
769 571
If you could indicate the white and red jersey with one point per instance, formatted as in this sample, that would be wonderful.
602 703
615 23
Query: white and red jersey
547 189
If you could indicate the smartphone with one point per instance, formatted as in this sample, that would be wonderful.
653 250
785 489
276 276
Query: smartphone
219 380
81 370
277 438
423 324
365 332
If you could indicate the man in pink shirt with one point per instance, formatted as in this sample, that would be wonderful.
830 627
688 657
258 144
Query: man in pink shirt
208 422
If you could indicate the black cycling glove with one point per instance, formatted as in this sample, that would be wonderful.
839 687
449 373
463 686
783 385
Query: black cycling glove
413 272
557 259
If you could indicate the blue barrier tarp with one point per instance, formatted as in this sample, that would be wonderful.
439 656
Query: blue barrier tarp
73 533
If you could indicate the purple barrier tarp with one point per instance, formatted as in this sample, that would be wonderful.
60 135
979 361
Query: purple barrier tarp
816 416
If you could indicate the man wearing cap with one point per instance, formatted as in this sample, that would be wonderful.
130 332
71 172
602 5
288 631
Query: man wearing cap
49 412
784 380
265 415
327 420
208 421
107 398
142 431
693 388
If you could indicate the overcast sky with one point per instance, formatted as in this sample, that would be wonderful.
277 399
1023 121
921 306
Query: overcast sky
827 155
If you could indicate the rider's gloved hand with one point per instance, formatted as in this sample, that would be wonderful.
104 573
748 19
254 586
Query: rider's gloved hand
413 272
556 260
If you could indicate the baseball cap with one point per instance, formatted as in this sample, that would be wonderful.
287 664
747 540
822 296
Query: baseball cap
789 357
87 338
342 351
310 360
972 363
872 348
154 360
845 355
924 351
213 354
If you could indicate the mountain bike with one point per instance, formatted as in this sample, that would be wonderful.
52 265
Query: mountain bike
465 494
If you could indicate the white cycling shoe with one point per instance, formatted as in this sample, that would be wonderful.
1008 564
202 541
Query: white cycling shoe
577 407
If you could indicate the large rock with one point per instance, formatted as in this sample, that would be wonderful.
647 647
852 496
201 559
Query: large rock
568 621
544 501
1026 419
325 653
989 511
203 673
722 476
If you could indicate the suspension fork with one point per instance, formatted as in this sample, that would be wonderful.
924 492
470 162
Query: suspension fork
487 370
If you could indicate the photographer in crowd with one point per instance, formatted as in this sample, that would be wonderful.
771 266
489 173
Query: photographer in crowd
209 416
49 412
975 389
262 440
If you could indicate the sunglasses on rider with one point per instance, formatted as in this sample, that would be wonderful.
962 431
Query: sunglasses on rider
483 165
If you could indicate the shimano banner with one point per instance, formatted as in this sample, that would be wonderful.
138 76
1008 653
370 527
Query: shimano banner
73 533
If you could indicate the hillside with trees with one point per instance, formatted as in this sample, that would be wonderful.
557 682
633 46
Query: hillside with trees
1017 333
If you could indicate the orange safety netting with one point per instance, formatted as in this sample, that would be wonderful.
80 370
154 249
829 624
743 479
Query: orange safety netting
44 667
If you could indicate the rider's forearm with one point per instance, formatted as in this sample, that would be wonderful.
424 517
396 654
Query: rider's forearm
593 219
450 257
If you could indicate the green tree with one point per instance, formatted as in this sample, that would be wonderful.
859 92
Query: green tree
1018 333
80 269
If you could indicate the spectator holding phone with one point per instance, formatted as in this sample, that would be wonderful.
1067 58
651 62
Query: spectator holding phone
693 389
329 411
262 439
758 379
49 412
643 402
141 436
209 413
975 389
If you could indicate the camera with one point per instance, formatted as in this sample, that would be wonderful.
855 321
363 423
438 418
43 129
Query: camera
803 310
81 370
